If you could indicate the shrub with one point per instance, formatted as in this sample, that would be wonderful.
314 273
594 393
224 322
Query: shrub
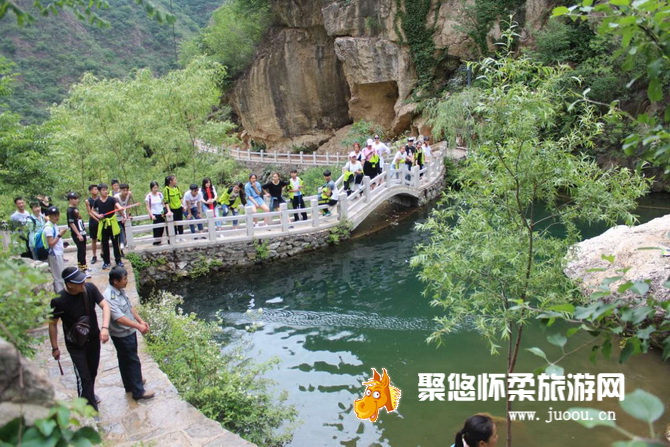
225 386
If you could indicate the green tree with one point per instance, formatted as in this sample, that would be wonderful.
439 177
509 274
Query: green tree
85 10
140 128
493 244
643 29
231 38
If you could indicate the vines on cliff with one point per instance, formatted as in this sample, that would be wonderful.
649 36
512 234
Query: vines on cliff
413 17
480 16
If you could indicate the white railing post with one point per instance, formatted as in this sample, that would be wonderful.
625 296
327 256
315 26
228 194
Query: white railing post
275 157
211 227
171 229
387 174
130 240
415 177
428 172
315 212
249 154
289 157
327 159
314 158
262 155
283 209
343 207
249 220
238 153
366 188
302 157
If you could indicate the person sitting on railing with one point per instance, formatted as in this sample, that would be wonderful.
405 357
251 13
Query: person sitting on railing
254 193
328 194
352 170
192 203
274 187
231 200
209 197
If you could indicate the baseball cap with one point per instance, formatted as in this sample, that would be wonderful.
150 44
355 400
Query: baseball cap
376 137
352 154
51 210
370 142
410 139
72 195
73 275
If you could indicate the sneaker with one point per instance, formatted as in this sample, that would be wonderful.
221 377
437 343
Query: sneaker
94 259
87 270
146 395
119 264
105 266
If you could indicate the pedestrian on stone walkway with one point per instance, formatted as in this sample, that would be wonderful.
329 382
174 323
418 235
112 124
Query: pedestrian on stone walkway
77 300
123 329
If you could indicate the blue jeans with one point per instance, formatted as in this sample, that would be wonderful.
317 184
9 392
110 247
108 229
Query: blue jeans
129 364
224 212
195 215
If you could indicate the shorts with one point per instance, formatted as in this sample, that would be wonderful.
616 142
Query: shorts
93 229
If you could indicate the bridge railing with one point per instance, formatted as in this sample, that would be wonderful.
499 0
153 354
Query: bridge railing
249 225
291 158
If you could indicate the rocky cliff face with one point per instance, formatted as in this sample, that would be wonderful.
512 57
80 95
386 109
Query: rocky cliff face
329 63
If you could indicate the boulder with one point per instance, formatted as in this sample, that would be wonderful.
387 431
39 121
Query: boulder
24 387
627 245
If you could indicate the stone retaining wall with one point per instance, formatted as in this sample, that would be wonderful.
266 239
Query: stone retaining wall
164 267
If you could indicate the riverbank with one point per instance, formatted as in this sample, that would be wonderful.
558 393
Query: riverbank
165 419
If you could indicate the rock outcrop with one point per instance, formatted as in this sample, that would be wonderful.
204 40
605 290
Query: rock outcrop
329 63
24 387
631 248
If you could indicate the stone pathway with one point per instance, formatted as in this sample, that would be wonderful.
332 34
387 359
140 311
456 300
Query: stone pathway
164 420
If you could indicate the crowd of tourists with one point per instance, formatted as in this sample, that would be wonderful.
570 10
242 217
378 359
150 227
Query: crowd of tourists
108 206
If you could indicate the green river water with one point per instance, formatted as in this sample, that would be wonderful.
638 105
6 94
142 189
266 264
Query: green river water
332 315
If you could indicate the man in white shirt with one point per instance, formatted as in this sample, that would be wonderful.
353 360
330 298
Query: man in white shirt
192 201
382 150
54 240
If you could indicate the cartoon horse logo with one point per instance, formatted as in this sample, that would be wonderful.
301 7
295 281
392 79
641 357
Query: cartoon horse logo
378 394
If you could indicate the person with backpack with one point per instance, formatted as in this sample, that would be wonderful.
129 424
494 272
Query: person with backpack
52 239
36 222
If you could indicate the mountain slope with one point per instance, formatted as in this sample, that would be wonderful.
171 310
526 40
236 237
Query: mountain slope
55 51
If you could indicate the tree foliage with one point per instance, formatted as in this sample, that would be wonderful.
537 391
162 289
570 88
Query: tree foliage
644 30
85 10
501 240
141 128
234 32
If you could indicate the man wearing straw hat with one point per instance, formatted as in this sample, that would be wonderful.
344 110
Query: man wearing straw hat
78 300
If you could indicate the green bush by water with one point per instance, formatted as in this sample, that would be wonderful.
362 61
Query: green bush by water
223 384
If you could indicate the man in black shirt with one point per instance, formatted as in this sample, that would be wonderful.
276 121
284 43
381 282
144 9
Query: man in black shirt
108 227
410 150
70 306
